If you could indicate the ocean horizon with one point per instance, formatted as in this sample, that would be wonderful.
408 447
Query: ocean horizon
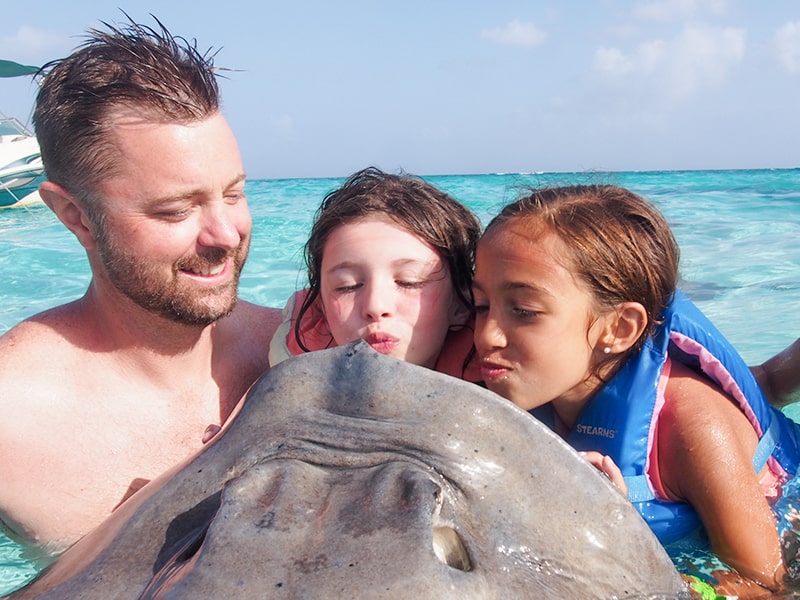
738 230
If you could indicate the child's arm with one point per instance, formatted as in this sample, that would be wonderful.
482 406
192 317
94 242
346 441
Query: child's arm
779 376
706 446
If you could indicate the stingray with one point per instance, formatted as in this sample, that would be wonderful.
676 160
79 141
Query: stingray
349 474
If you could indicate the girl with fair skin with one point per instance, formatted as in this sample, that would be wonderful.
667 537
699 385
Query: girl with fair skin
574 289
389 262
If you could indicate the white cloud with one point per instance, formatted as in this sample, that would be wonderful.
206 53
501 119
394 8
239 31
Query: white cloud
787 45
652 55
612 62
515 33
699 57
671 10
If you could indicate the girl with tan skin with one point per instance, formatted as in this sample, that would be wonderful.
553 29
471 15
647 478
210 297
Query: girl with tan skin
572 287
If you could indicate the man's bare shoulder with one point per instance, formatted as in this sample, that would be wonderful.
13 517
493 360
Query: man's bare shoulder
255 323
244 336
266 315
40 354
38 336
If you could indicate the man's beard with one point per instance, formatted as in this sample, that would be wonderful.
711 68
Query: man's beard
172 298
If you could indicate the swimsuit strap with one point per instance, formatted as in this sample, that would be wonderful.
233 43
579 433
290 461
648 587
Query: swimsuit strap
638 488
766 445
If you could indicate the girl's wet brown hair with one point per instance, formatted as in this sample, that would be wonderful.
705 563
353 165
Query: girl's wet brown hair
427 212
619 244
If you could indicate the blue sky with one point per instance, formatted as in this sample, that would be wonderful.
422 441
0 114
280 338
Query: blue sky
324 88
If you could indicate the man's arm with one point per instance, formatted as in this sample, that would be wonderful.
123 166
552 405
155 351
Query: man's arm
779 376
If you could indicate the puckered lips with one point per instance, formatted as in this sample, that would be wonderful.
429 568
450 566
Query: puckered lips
493 369
381 341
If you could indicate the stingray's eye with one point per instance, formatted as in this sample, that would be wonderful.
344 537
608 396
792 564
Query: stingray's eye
449 548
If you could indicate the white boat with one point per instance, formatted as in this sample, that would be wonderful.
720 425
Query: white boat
21 168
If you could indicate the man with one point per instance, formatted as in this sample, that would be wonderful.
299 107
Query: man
102 394
779 376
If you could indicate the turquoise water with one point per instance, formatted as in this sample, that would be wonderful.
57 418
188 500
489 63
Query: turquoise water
739 233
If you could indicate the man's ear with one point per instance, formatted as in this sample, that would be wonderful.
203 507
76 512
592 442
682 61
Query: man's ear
625 327
69 211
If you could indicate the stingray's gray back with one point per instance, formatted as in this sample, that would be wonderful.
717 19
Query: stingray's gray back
336 472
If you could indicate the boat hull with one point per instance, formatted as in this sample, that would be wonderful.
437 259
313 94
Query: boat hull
29 196
21 168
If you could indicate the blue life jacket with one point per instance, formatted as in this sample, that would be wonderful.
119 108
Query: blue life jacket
619 419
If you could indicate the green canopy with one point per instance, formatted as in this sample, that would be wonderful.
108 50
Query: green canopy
12 69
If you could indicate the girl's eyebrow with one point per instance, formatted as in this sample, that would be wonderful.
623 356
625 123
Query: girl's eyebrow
400 262
346 264
512 286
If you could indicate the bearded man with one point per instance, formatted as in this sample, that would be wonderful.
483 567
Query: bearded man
102 394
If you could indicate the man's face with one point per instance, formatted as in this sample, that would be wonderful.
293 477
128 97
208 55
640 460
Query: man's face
175 227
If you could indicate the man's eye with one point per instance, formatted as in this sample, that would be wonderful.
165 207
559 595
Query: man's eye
235 197
174 215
